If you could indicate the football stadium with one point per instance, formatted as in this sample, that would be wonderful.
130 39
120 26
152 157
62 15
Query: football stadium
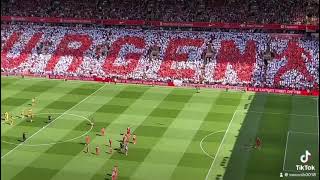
159 90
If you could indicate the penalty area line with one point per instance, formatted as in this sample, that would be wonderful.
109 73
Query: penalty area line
9 152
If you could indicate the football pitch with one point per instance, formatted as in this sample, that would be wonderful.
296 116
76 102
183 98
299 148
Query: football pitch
181 134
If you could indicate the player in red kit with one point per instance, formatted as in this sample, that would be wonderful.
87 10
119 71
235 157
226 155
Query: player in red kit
128 133
124 138
87 139
127 139
258 143
115 173
102 131
110 146
87 143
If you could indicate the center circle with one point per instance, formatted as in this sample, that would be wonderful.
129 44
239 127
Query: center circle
68 140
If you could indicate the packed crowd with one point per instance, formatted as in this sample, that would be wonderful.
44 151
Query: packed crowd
238 11
206 57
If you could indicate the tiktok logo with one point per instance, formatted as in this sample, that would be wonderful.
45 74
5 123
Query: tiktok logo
304 158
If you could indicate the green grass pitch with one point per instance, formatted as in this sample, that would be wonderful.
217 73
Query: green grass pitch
181 134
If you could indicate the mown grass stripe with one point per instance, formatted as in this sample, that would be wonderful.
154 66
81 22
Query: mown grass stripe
76 148
146 141
59 94
42 100
179 102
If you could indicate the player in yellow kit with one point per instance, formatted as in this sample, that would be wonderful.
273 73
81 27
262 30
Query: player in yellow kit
8 118
30 115
11 120
24 113
33 101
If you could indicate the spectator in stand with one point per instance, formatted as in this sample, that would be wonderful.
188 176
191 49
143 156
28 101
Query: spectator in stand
257 73
240 11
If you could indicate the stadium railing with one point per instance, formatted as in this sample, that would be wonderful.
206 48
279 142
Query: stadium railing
162 24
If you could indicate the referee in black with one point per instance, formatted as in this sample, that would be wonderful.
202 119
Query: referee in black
24 136
49 119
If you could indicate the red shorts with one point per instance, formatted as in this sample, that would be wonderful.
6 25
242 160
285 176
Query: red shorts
258 143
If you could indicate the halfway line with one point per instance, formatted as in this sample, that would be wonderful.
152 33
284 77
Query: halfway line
285 152
215 157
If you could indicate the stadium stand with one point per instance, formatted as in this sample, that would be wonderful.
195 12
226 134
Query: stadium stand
236 11
232 58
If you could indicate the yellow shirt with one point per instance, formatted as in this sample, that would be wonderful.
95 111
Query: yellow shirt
6 115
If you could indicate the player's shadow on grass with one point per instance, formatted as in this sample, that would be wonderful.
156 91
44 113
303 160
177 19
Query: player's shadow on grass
82 143
19 140
108 176
120 141
119 150
218 177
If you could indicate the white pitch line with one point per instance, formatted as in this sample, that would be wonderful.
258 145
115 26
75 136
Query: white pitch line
68 140
285 152
299 132
252 112
215 157
51 122
215 132
262 112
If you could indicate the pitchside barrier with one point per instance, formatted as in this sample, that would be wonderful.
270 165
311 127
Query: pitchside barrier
171 83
